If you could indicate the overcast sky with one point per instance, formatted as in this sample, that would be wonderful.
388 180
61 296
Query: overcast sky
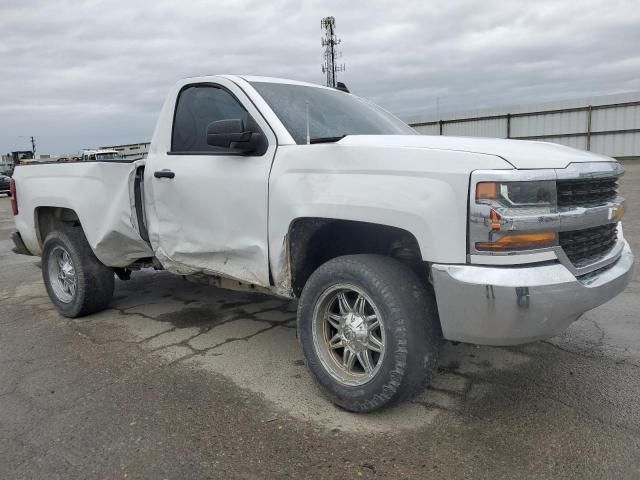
84 74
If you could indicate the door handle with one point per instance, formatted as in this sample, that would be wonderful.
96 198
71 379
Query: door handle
164 174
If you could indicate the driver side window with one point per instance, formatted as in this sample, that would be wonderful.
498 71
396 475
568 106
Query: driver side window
197 107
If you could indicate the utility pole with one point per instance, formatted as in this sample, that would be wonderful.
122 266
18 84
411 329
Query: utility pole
33 147
330 41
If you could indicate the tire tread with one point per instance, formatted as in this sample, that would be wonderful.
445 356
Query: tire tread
412 312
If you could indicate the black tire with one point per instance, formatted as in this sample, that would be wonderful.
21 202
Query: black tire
411 329
94 282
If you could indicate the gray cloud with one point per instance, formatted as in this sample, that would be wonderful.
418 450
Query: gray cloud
85 74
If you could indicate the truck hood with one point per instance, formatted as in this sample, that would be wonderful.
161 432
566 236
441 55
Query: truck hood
519 153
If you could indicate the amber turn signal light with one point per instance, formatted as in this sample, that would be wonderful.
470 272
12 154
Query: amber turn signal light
520 241
486 191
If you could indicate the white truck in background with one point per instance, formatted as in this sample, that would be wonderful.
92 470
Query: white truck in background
101 155
390 240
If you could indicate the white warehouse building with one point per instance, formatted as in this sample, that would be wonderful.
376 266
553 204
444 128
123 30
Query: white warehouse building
131 150
607 124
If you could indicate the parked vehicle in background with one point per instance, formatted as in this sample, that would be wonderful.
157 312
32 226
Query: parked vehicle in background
390 240
22 156
5 183
101 156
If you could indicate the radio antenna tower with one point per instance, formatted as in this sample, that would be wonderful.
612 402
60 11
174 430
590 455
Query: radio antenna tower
330 41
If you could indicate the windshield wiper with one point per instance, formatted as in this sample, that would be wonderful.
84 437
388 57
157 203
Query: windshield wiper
326 139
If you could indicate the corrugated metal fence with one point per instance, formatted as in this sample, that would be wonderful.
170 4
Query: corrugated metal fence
609 125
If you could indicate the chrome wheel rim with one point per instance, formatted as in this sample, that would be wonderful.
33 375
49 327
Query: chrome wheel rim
348 334
62 275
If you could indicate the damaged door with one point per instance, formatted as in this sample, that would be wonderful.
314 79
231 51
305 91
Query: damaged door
210 201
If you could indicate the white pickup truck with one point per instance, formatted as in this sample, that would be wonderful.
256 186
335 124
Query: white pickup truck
390 240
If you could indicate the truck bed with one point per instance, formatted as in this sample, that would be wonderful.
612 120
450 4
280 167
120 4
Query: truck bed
100 193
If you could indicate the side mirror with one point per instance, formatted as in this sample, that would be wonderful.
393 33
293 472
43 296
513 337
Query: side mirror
233 134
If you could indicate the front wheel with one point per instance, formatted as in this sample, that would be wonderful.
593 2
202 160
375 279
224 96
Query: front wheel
368 329
77 282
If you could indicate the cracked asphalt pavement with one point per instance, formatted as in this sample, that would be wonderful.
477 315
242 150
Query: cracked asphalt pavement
179 381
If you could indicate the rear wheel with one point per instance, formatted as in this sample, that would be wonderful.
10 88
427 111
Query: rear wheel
77 282
368 330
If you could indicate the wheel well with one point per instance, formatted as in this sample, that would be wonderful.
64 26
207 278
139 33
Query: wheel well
314 241
49 219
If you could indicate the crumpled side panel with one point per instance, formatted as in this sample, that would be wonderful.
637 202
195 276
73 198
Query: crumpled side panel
229 264
118 242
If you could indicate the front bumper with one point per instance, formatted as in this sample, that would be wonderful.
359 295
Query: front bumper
515 305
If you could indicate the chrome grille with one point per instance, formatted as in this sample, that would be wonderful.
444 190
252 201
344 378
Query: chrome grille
586 192
589 245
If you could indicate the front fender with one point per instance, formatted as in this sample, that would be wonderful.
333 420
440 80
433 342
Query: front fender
424 192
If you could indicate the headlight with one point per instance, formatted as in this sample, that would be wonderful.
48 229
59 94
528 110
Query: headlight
517 194
495 204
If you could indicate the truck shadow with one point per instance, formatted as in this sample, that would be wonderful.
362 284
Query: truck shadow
250 338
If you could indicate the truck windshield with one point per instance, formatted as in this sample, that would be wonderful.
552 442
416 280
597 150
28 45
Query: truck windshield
332 114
